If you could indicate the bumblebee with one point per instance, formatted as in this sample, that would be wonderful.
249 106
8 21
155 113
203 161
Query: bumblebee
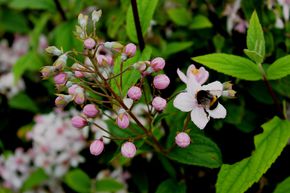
206 99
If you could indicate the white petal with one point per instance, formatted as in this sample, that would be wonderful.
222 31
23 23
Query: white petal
184 102
182 76
218 113
199 117
192 85
203 75
215 88
190 69
128 102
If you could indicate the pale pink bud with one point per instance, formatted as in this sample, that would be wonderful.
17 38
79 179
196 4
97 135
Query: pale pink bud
159 103
60 78
79 74
47 71
97 147
83 20
102 60
89 43
128 149
114 46
60 62
62 100
182 139
157 64
79 122
79 98
140 66
123 120
72 89
96 15
134 93
53 50
90 110
161 81
130 50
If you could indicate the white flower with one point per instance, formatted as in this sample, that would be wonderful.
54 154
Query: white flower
200 75
201 106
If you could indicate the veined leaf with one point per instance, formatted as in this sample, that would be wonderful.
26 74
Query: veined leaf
253 55
283 187
200 22
269 145
279 68
232 65
255 36
146 11
201 152
36 178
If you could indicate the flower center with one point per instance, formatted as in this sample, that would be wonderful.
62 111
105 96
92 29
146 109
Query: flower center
194 71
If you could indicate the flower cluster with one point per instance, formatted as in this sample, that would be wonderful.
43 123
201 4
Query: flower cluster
55 148
100 84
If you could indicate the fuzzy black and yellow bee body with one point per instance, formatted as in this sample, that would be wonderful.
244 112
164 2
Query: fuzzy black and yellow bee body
206 99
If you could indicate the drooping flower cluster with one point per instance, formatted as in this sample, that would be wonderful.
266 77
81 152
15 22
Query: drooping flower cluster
55 148
101 84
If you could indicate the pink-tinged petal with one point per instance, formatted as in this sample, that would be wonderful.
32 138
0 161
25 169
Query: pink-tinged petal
215 88
184 102
190 69
199 117
192 86
202 75
182 76
218 113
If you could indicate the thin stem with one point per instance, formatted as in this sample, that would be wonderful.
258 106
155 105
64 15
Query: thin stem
60 9
186 122
137 25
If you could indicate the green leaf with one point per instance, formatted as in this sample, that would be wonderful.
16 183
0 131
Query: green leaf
24 102
33 4
253 55
230 65
108 185
146 11
40 24
279 69
171 186
179 16
269 145
282 86
175 47
283 187
255 36
200 22
78 180
12 21
201 152
35 179
29 61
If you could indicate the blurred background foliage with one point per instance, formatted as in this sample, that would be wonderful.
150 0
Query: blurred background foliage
174 29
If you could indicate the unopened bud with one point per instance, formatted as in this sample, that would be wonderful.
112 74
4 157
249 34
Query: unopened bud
83 20
182 139
130 50
114 46
161 81
157 64
159 103
90 110
140 66
89 43
79 122
62 100
134 93
60 62
53 50
96 15
60 79
227 85
123 120
128 149
47 71
229 93
97 147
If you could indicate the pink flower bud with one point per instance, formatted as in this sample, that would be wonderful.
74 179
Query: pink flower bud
134 93
123 120
130 50
62 100
182 139
159 103
47 71
161 81
79 122
79 98
60 62
90 110
103 60
60 78
72 89
113 46
128 149
89 43
53 50
157 64
79 74
97 147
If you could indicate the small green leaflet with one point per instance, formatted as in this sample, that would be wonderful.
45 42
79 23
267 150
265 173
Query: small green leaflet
35 179
108 185
78 180
171 186
279 69
240 176
232 65
283 187
255 38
